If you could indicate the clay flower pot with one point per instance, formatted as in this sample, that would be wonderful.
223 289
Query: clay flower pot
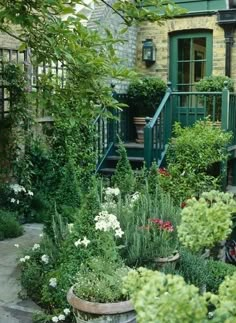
85 311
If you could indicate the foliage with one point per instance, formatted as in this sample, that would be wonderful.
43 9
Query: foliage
123 177
154 294
206 221
9 225
206 274
145 94
144 239
100 281
214 84
226 301
192 152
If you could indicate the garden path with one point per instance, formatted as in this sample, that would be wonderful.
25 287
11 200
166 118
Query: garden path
12 308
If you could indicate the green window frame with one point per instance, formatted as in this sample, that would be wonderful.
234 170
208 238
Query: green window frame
190 59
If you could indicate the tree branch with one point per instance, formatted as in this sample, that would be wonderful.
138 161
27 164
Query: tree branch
116 11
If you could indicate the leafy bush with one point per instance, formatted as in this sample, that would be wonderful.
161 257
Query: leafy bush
145 94
9 225
192 151
204 273
206 221
214 84
164 298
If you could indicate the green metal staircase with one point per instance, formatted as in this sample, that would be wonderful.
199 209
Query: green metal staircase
183 107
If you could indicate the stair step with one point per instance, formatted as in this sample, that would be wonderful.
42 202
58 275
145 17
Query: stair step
131 158
107 171
231 189
133 145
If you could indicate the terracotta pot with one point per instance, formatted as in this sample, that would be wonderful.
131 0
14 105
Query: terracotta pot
139 124
120 312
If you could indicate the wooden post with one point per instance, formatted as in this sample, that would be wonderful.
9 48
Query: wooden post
148 144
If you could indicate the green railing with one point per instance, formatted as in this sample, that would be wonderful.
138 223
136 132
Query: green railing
107 126
158 131
186 108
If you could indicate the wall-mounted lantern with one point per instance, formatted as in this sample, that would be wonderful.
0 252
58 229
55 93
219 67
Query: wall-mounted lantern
149 51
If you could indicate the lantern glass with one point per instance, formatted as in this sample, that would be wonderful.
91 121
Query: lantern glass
148 51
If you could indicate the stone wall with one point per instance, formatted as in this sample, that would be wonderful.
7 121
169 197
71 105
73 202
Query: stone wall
104 17
161 35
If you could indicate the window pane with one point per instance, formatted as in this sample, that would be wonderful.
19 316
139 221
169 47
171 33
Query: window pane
184 72
199 48
199 70
184 49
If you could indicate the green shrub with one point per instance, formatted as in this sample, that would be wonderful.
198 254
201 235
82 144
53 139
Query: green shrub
204 273
9 225
214 84
145 94
192 151
124 176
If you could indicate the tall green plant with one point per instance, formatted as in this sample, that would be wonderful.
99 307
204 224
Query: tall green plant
193 152
124 177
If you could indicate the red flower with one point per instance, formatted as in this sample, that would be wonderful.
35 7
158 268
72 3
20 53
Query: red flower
163 171
232 252
183 204
163 225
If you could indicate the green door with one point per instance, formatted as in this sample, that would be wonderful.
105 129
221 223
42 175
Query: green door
190 61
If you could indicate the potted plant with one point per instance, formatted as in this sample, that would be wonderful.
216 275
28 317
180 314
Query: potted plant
96 295
207 220
144 96
149 219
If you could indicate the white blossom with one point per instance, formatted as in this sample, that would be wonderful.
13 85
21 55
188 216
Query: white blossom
84 242
55 319
24 259
16 245
61 317
12 200
41 235
53 282
134 197
17 188
17 201
119 233
70 227
30 193
66 311
45 259
112 191
36 246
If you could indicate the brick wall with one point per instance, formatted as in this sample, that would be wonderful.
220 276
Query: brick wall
161 34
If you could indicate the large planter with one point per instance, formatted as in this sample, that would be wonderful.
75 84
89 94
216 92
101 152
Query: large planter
121 312
160 262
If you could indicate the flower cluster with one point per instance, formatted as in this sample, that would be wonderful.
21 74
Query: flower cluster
53 282
24 259
19 188
110 191
163 171
61 317
45 259
84 242
163 225
36 246
106 221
